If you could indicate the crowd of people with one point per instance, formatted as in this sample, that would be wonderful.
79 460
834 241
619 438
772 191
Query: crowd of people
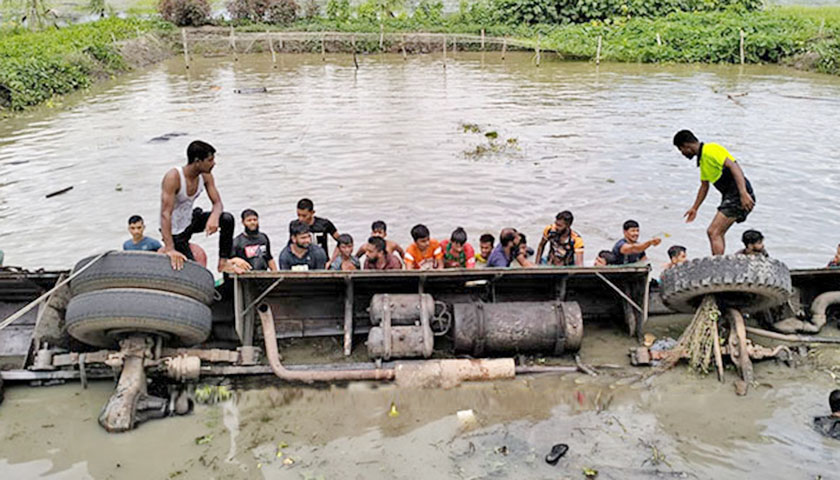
308 246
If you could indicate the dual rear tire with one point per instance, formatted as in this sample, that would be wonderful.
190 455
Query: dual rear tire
139 292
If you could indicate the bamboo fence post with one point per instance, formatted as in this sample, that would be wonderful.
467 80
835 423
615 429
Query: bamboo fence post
353 43
482 39
538 49
233 44
444 51
271 47
323 48
742 46
402 46
504 47
598 52
658 40
281 43
822 26
186 53
381 37
454 45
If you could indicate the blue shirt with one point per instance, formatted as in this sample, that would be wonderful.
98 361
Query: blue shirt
145 245
622 259
497 258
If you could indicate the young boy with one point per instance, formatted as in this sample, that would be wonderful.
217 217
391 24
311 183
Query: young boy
252 245
565 246
425 253
604 258
320 228
485 244
138 241
833 263
829 425
718 167
677 254
457 253
345 259
377 256
628 249
753 244
379 229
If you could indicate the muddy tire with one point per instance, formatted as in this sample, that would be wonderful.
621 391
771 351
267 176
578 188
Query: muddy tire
747 283
103 317
144 270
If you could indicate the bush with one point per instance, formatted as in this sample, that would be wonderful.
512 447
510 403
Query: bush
35 66
529 12
311 9
185 13
259 11
429 12
281 12
339 10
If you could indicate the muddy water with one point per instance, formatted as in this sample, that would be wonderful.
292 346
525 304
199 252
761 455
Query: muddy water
385 142
677 425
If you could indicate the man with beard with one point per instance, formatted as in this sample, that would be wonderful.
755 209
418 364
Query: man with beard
718 167
252 245
179 220
301 253
565 246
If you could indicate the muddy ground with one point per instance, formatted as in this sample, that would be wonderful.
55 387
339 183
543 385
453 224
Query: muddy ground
676 425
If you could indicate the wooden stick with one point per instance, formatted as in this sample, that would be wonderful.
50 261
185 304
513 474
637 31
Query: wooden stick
716 349
186 53
402 46
658 40
271 47
444 51
598 52
538 49
353 43
482 39
742 47
324 49
504 46
233 43
381 37
454 45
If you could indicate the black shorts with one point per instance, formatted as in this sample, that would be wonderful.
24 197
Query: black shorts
731 207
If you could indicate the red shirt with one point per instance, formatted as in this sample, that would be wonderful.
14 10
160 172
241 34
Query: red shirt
465 260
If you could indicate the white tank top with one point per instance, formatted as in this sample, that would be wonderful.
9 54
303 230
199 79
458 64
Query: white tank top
182 212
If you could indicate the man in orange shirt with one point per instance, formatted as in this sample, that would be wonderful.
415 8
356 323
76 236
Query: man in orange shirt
425 253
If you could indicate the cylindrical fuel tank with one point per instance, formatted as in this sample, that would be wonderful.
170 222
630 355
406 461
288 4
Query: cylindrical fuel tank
405 307
511 327
406 342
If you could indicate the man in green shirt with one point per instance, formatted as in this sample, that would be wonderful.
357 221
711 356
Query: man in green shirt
718 167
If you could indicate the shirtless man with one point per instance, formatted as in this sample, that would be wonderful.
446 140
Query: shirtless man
179 220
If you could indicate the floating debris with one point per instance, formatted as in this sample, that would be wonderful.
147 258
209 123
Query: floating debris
59 192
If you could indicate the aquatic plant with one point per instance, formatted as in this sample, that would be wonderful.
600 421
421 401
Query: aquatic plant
35 66
209 394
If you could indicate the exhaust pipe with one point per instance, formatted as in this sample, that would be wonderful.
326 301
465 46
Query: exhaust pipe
273 356
445 373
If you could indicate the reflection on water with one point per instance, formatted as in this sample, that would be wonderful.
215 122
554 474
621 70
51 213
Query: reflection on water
384 142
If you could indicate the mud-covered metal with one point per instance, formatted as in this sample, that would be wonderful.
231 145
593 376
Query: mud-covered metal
545 327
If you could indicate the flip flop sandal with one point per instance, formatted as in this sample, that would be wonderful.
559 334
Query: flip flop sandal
556 453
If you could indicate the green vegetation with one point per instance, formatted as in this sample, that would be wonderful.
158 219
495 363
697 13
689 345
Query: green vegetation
34 66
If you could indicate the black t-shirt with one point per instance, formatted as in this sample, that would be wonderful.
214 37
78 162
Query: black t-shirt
314 259
255 249
828 426
321 229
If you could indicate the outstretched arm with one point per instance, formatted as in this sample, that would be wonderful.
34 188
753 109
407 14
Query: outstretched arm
628 249
691 214
168 189
216 198
741 182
